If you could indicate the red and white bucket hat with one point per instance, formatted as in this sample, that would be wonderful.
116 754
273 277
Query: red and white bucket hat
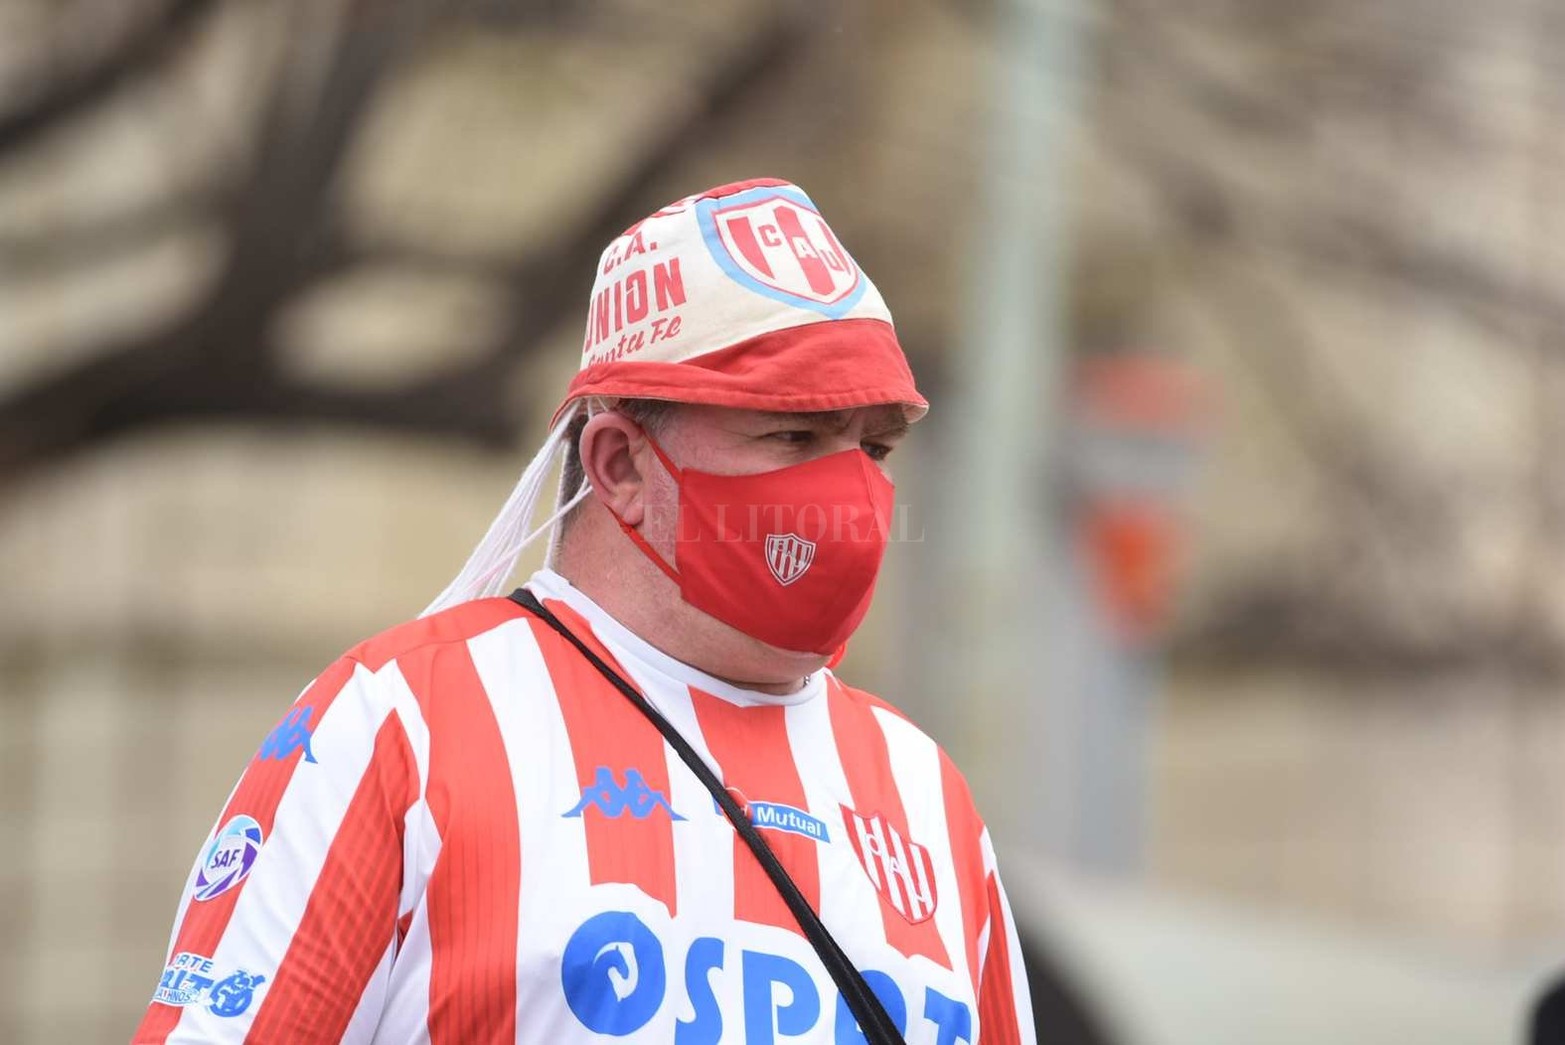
739 296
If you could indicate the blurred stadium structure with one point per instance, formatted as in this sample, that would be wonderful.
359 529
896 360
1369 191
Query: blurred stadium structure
287 288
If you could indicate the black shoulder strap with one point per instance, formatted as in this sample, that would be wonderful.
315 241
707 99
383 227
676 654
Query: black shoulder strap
873 1020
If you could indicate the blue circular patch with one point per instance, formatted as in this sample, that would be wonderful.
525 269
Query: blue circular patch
613 974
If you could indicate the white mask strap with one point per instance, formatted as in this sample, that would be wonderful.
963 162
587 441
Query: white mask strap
490 565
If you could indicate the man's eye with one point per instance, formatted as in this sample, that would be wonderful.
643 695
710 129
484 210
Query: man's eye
794 437
876 451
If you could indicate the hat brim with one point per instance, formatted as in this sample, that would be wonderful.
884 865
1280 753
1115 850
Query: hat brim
833 365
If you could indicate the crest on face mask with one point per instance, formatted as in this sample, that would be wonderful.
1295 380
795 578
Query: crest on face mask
788 556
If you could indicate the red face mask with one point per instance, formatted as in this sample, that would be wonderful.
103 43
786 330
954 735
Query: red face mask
788 556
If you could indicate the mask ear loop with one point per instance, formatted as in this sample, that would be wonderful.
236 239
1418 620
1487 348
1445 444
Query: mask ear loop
490 565
634 534
674 470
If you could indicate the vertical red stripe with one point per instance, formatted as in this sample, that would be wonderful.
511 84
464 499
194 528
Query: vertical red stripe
351 916
457 624
744 239
997 996
842 255
258 794
473 891
751 747
814 268
861 747
607 732
966 830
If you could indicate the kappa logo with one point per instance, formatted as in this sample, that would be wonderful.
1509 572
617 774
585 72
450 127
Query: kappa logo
613 800
900 869
291 734
773 241
788 556
228 857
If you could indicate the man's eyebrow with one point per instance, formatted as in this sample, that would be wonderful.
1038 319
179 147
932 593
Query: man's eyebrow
821 418
894 426
888 423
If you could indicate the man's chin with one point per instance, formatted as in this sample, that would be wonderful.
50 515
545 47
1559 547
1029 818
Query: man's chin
770 666
757 663
747 661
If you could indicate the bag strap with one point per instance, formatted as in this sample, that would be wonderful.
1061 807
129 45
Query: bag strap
872 1017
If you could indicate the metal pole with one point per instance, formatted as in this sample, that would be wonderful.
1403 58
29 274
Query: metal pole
1006 666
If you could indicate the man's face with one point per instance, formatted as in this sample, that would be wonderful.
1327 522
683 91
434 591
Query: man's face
725 441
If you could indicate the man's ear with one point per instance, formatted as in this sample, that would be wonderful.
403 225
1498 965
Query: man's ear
609 446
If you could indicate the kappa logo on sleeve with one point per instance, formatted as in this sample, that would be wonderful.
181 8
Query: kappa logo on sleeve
292 733
189 979
613 800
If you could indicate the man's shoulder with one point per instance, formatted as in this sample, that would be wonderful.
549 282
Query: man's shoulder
870 701
951 774
457 624
865 699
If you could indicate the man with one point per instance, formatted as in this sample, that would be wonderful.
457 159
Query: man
462 832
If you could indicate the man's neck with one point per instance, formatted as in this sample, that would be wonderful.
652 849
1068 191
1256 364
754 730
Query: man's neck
655 613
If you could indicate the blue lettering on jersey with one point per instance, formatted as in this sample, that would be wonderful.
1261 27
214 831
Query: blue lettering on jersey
612 972
185 979
778 816
188 979
706 955
292 733
954 1020
615 979
612 800
763 1019
795 821
847 1032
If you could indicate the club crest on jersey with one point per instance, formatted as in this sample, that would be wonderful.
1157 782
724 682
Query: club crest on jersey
773 241
788 556
228 857
899 868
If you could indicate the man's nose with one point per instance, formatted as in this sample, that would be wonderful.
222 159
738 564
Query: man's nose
837 442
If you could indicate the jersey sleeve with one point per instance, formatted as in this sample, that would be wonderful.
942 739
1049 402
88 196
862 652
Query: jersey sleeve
288 922
1004 1002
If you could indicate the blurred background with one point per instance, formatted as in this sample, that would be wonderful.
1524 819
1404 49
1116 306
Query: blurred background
1231 567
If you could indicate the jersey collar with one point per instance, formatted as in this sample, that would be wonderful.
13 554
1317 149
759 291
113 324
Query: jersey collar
636 653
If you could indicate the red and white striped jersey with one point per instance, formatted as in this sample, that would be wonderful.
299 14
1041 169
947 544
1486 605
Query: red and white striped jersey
461 833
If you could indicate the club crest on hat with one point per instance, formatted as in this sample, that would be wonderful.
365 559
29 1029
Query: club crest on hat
788 555
773 241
